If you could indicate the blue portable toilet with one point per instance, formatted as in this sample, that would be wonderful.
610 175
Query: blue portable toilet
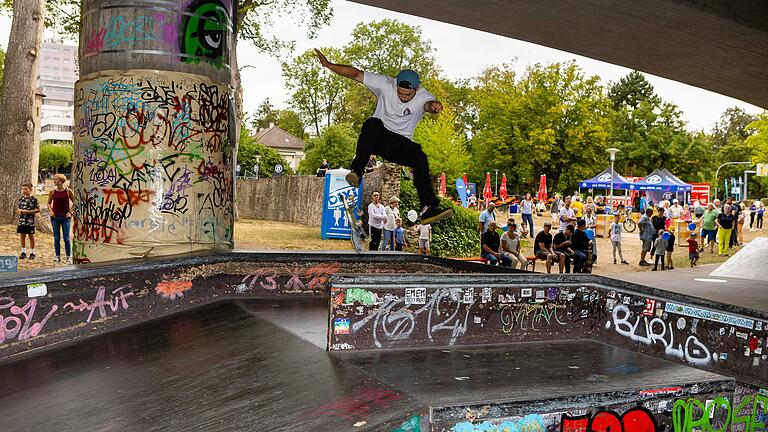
333 223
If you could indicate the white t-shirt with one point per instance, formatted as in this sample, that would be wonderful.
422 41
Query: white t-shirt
392 214
376 215
424 231
399 117
526 207
486 218
676 211
569 214
511 243
615 232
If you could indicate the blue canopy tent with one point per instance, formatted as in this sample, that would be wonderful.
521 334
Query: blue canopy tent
604 180
661 184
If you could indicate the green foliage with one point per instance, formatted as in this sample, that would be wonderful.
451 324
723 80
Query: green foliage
759 142
255 21
552 120
456 236
316 91
287 120
444 145
247 150
336 144
55 156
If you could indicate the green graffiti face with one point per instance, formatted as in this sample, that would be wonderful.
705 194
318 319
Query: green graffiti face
205 34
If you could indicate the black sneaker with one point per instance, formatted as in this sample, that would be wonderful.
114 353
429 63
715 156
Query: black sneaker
23 255
32 256
353 179
645 263
434 214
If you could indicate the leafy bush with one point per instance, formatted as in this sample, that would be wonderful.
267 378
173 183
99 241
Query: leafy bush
336 144
456 236
55 156
247 150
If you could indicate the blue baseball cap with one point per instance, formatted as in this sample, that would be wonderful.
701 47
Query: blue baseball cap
408 79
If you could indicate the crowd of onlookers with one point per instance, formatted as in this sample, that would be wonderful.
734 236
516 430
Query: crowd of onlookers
572 246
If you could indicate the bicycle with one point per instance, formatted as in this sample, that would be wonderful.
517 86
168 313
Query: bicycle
625 217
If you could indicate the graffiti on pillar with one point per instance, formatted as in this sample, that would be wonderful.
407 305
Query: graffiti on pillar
152 163
204 33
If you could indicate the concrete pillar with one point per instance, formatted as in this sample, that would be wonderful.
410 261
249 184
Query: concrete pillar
154 119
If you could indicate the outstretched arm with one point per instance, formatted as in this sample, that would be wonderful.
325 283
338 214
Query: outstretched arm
346 71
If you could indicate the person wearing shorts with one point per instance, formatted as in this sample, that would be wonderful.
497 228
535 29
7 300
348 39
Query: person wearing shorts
26 210
708 228
425 236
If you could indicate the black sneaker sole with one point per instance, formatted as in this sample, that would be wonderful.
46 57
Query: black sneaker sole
439 216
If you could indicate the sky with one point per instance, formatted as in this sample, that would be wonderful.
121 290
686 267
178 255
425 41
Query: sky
460 52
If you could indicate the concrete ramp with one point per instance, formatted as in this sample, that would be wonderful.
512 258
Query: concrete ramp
748 263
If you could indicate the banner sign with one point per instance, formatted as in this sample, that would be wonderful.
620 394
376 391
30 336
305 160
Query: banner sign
333 223
461 189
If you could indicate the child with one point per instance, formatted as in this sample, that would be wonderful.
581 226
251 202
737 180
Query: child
615 231
659 248
670 249
399 234
425 237
28 206
693 249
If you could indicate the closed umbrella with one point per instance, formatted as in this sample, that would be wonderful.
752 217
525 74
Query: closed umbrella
441 187
542 194
503 188
487 191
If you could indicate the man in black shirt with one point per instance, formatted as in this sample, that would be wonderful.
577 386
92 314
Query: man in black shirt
562 246
735 210
542 248
580 245
490 243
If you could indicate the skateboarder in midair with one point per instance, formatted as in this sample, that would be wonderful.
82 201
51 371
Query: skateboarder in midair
400 105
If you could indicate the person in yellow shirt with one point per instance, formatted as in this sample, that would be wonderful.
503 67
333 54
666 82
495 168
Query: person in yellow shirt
578 207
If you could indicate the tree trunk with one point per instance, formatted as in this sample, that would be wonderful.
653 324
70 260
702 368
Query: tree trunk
17 107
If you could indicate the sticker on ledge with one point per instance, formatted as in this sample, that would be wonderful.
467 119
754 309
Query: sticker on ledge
526 292
486 297
341 326
37 290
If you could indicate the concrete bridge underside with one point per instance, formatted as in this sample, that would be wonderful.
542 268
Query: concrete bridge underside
718 45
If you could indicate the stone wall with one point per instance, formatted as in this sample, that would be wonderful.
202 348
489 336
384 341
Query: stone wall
297 199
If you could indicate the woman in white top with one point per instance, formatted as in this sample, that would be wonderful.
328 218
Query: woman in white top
510 247
376 218
392 213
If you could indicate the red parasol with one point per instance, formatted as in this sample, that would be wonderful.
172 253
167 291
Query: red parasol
487 191
466 184
542 195
441 187
503 188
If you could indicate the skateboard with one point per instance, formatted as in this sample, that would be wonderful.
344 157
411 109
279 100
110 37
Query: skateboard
357 236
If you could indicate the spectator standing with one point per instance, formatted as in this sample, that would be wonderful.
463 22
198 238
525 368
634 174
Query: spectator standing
698 209
659 250
670 250
740 219
615 230
578 207
599 206
27 208
542 248
561 244
486 217
643 203
659 221
686 216
736 211
526 209
724 222
399 235
61 215
323 168
693 249
554 209
647 233
760 212
708 227
490 244
425 238
392 213
567 214
675 210
510 247
590 205
377 217
752 214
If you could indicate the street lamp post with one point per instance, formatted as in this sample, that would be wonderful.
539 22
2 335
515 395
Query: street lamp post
612 152
727 163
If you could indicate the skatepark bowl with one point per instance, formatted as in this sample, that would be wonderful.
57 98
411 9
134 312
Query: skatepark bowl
376 342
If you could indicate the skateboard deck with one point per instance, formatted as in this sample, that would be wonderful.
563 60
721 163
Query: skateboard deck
357 233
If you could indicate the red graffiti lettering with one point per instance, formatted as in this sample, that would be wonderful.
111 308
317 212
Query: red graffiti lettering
635 420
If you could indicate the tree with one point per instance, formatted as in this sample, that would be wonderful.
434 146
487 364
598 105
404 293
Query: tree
444 144
17 107
316 91
266 115
553 121
729 140
632 90
55 156
336 144
758 141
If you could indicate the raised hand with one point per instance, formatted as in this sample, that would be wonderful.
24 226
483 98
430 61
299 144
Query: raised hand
323 60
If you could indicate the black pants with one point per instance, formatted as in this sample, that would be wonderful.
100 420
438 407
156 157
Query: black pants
376 139
760 221
734 240
375 239
751 219
658 259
